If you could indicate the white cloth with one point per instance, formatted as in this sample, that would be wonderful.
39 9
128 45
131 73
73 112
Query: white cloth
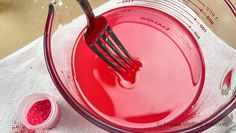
24 72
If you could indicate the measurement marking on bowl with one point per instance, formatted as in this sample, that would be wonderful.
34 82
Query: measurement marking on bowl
195 4
180 12
169 6
156 22
208 13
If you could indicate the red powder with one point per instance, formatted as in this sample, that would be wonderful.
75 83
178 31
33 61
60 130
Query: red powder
39 112
20 128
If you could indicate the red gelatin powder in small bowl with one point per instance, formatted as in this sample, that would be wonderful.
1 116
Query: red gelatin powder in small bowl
39 111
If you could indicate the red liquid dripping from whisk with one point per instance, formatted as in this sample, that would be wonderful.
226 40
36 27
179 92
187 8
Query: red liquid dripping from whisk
39 112
130 73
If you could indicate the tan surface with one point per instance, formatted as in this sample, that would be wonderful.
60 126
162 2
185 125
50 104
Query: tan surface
22 21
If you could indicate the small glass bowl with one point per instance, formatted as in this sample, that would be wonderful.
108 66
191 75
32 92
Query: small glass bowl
28 102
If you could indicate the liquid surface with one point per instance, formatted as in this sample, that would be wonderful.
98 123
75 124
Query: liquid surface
166 85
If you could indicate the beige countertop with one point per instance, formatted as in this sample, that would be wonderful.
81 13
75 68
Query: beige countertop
22 21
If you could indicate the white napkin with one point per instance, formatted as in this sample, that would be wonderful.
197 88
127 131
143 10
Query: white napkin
24 73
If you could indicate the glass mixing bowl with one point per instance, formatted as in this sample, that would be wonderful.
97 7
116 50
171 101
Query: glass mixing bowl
206 111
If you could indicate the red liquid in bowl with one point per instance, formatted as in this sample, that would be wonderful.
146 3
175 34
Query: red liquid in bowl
170 79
